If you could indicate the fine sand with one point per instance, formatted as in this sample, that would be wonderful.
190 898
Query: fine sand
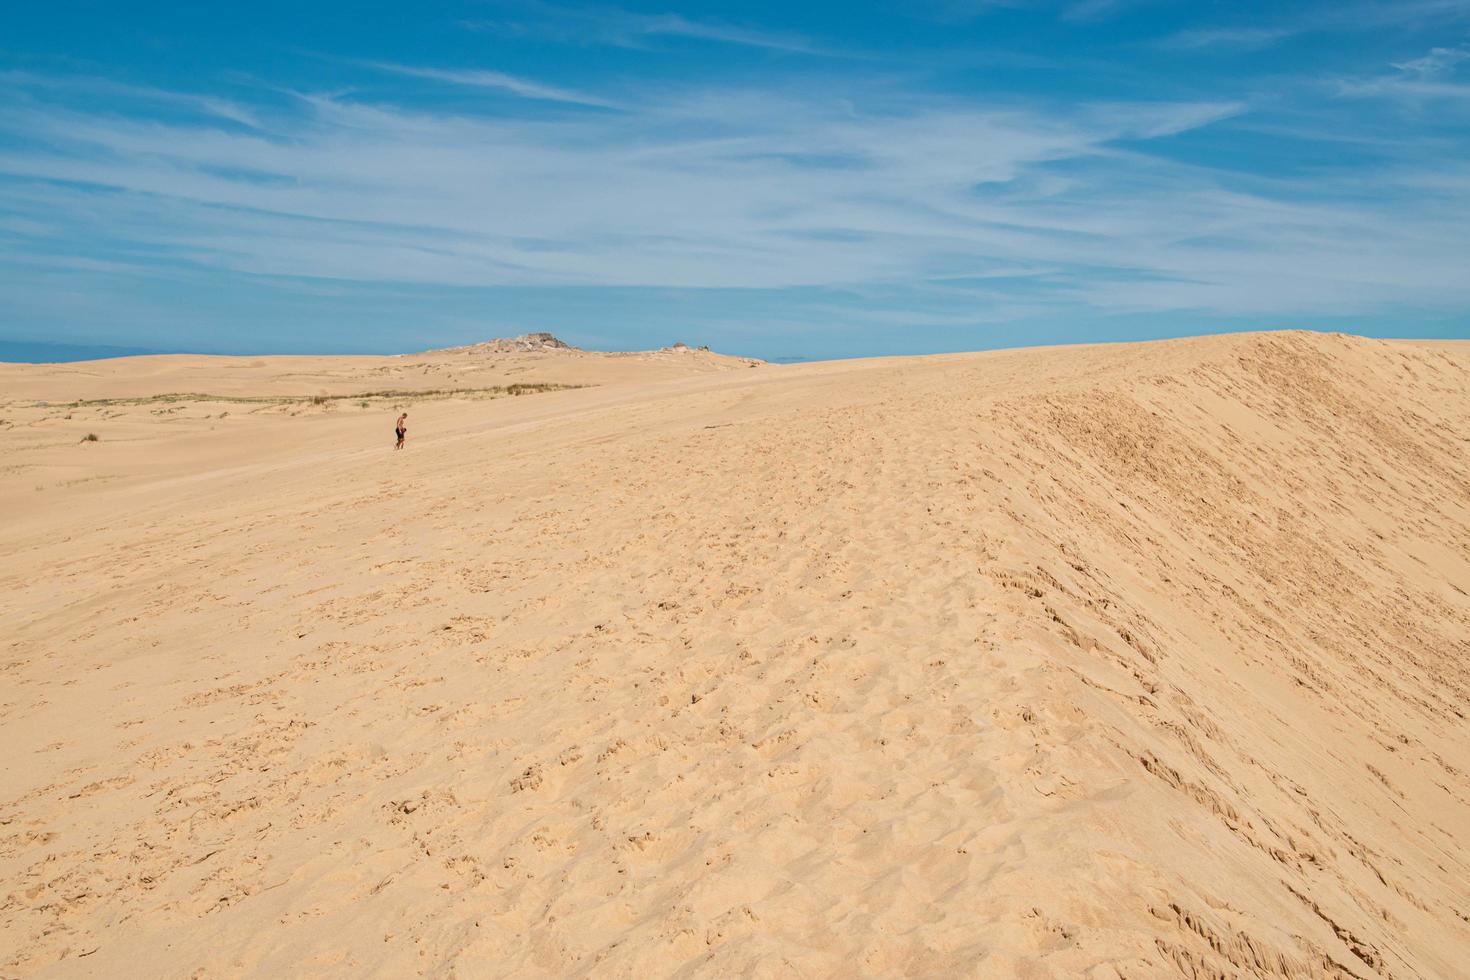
1114 661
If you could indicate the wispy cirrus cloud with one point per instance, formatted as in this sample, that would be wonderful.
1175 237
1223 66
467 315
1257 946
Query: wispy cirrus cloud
1090 10
744 189
1238 38
498 81
1428 77
139 95
747 189
1356 17
1378 15
1438 61
625 28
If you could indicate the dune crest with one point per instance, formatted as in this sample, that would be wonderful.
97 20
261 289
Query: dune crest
1121 661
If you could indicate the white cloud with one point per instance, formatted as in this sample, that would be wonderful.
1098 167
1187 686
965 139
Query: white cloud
479 78
1438 61
1398 86
138 94
1096 9
745 188
1247 38
1417 79
676 25
1352 17
625 28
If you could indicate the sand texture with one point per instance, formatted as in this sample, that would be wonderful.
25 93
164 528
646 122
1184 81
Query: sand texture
1116 661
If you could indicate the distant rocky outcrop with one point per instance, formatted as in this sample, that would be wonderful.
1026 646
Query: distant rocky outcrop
540 342
525 343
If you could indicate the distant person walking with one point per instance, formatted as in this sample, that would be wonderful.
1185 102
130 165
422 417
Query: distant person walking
401 430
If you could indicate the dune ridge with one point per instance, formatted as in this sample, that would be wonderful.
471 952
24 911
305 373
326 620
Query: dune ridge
1117 661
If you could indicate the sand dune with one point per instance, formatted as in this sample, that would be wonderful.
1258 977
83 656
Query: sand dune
1124 661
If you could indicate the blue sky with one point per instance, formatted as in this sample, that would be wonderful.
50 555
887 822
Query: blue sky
774 179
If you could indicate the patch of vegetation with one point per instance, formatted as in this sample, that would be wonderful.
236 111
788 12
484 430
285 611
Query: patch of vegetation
494 391
99 478
90 437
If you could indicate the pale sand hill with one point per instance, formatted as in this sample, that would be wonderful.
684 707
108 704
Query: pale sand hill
461 368
194 414
1141 660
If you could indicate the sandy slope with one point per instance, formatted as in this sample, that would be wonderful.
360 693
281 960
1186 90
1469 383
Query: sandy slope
189 414
134 377
1130 661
